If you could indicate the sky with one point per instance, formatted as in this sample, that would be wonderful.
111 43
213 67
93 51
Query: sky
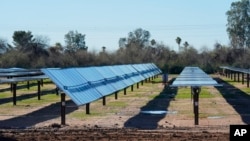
199 22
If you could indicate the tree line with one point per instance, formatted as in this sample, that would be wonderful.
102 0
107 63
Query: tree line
29 51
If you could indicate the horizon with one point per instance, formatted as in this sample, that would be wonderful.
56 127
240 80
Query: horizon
200 23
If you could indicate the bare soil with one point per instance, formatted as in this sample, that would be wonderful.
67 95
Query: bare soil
122 119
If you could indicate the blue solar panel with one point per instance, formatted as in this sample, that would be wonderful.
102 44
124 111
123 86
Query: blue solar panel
113 79
194 76
242 70
84 85
118 71
127 74
142 70
73 84
134 74
155 68
96 80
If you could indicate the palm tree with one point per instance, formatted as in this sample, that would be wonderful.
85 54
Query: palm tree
178 41
185 45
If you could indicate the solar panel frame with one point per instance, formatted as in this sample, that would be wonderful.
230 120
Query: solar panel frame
112 78
193 76
84 85
73 84
127 74
242 70
135 75
96 80
126 80
143 72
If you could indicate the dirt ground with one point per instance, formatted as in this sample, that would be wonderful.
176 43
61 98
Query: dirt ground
123 119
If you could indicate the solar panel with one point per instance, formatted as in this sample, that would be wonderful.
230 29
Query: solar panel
125 79
84 85
96 80
113 79
145 72
194 76
134 74
156 69
150 70
73 84
127 74
247 71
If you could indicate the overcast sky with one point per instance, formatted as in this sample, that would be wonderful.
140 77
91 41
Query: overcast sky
199 22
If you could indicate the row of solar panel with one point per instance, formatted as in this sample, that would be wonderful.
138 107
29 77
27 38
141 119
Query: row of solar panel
247 71
193 76
84 85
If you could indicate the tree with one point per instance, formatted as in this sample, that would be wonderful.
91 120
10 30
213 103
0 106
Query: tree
75 41
22 39
238 26
185 44
178 41
3 46
135 48
122 42
139 37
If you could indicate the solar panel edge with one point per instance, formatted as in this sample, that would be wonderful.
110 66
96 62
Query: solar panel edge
73 91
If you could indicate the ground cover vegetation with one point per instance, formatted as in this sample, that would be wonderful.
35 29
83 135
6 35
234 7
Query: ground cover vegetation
29 51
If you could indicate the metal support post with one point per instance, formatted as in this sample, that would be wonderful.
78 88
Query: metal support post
87 108
28 85
14 92
196 92
238 74
116 95
231 74
125 91
234 76
63 109
39 89
104 100
242 78
248 80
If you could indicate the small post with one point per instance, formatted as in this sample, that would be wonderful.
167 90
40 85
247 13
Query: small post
87 108
196 91
132 88
248 80
116 95
142 82
242 78
28 85
39 89
14 92
238 74
104 100
63 109
57 91
231 74
137 85
125 91
234 76
42 82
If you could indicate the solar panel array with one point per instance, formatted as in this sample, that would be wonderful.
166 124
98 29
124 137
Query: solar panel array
84 85
247 71
193 76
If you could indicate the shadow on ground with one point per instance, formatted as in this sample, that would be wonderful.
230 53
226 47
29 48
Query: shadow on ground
25 96
159 103
46 113
237 98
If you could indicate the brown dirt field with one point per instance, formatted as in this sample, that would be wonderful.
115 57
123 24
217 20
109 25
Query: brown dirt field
122 119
